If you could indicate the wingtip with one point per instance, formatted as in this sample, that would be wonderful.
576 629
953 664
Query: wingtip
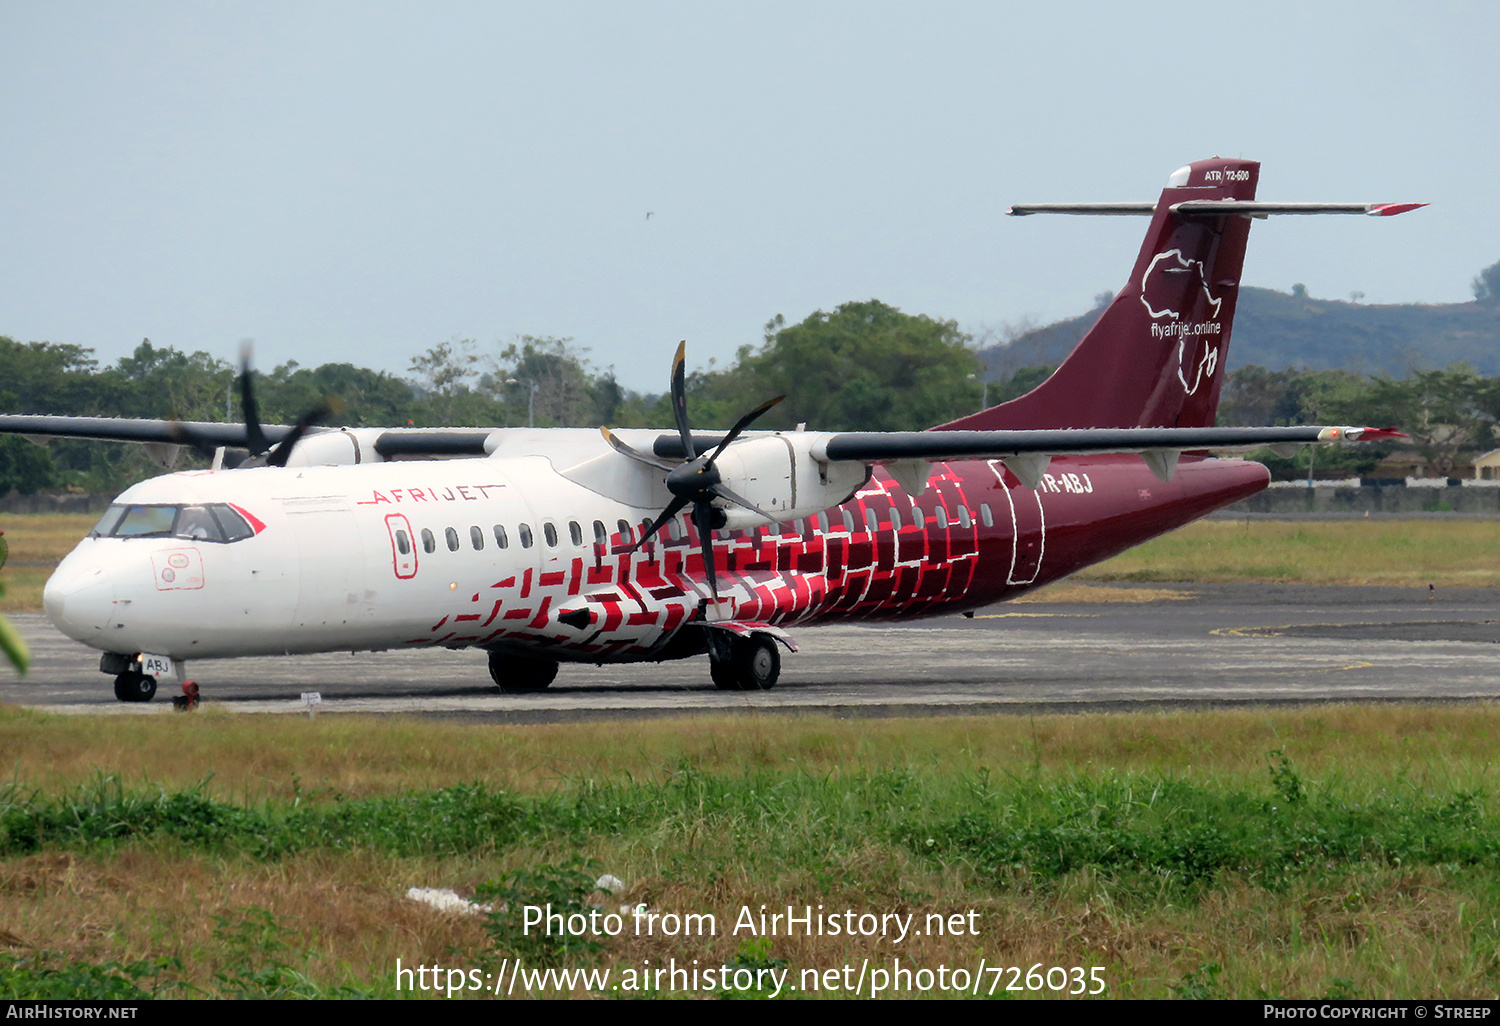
1392 209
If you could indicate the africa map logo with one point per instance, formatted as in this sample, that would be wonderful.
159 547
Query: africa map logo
1165 291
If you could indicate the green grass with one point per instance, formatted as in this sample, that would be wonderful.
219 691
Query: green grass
1324 852
1412 553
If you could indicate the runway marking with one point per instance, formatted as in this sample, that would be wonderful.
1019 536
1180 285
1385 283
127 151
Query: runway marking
1002 616
1249 632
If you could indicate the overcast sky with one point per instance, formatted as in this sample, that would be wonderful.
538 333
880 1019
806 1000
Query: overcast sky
361 181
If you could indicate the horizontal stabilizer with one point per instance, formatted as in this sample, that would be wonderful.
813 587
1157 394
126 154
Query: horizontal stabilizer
1216 208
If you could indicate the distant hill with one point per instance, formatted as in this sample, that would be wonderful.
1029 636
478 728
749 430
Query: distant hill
1277 329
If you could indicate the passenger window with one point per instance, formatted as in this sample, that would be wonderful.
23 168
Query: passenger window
403 543
476 538
672 532
429 543
798 528
871 520
198 524
624 527
500 538
525 532
942 517
985 515
601 536
575 532
895 519
963 518
550 530
848 521
823 522
451 537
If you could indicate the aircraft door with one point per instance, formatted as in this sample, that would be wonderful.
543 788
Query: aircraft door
403 546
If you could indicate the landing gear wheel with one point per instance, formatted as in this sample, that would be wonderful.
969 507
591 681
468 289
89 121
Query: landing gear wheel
754 664
519 674
135 687
723 675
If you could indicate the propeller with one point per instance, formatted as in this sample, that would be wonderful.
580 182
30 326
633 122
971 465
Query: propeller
262 452
694 482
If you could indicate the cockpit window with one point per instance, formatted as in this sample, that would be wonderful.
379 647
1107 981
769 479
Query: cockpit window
198 524
235 527
107 523
145 521
215 523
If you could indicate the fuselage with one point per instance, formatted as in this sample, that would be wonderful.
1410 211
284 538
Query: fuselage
518 551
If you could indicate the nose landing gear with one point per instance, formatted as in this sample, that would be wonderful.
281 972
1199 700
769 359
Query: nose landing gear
133 686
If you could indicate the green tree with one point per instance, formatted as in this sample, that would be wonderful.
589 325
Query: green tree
45 378
1018 384
1450 414
865 366
566 392
369 398
168 383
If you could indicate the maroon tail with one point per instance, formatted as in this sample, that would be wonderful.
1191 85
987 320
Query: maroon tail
1155 357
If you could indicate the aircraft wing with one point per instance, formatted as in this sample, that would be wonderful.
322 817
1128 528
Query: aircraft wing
121 429
881 447
1027 453
390 443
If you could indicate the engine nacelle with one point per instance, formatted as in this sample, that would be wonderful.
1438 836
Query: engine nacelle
337 448
779 475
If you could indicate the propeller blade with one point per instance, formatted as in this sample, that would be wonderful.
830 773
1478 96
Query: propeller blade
625 450
743 423
183 435
671 511
679 399
703 516
255 438
725 492
278 456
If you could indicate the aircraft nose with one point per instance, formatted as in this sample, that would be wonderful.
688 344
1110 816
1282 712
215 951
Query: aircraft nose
80 603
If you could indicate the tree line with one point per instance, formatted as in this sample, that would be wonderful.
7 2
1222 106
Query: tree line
864 365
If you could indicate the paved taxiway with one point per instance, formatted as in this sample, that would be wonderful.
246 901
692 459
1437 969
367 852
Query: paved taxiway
1228 644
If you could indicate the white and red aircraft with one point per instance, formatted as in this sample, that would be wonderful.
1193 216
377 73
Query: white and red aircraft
572 545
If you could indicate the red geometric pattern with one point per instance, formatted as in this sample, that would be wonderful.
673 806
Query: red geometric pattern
850 563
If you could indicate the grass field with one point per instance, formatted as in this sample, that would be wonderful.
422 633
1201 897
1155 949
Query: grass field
37 542
1335 852
1449 553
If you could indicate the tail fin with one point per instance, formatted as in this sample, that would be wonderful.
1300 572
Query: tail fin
1155 357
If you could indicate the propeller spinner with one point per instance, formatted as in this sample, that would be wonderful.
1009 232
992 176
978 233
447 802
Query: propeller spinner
695 481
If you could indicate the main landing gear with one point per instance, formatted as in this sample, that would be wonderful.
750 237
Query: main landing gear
745 664
516 674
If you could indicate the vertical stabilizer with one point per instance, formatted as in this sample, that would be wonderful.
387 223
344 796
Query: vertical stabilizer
1155 357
